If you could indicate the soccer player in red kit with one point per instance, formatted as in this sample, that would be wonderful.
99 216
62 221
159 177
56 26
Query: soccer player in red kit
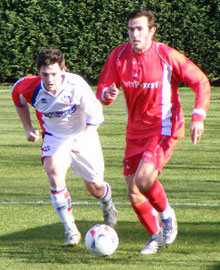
149 73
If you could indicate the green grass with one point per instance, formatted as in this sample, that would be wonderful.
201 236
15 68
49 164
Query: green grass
31 234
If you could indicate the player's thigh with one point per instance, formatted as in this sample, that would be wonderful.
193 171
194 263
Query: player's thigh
55 157
56 167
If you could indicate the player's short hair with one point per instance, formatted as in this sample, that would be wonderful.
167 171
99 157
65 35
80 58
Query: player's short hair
142 13
49 57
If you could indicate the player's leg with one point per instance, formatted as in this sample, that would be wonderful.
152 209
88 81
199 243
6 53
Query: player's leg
147 215
152 189
157 197
56 168
56 163
146 180
144 210
102 191
89 164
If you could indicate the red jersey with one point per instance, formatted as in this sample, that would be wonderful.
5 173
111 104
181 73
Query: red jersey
150 84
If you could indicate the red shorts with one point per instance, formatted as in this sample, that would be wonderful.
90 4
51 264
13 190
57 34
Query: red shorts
155 149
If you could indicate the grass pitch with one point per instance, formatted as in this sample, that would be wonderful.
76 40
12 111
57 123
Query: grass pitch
31 235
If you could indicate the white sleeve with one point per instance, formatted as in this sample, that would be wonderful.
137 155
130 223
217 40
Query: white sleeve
91 105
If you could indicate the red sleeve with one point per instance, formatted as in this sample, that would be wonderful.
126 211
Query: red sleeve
23 90
16 93
184 70
108 76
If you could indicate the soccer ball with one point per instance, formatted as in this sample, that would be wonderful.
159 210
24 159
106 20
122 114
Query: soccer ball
101 240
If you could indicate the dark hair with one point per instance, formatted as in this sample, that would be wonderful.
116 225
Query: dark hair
142 13
49 57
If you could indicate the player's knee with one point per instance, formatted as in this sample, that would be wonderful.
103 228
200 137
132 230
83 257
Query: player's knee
144 179
144 183
56 178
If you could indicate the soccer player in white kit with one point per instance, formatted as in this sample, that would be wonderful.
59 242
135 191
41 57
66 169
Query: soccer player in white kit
69 115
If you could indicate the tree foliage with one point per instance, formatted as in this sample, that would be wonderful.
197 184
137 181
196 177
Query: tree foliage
87 30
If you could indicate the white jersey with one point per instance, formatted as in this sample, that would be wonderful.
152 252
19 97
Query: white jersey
65 114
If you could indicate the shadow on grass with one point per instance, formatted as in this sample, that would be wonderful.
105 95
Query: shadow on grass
216 267
44 245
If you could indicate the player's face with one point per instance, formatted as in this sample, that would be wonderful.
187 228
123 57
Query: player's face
52 77
140 34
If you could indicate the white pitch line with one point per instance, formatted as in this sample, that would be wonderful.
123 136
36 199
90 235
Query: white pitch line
117 203
5 91
197 204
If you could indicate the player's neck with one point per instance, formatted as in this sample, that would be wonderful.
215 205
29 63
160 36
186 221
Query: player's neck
145 49
53 92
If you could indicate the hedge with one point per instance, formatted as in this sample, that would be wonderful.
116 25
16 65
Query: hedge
86 31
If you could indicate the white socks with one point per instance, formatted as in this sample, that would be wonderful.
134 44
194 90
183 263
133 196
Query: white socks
166 213
62 203
107 193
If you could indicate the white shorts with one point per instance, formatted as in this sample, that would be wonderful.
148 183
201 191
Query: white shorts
89 163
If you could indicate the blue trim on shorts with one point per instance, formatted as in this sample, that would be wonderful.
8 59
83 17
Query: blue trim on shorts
46 133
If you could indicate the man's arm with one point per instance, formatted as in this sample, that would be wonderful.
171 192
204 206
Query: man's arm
202 101
193 77
109 82
24 114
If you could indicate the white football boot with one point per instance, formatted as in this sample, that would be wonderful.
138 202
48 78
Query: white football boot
169 228
73 237
109 212
154 244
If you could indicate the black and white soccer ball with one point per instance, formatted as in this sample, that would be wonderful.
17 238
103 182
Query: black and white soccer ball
101 240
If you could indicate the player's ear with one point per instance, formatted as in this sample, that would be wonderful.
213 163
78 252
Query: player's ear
38 68
153 31
63 71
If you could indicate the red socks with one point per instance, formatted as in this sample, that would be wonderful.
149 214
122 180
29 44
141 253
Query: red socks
148 217
147 211
157 196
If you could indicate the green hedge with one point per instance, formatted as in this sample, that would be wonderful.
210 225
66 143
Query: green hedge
86 31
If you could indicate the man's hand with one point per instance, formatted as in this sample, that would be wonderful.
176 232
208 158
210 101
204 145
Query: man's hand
32 135
196 131
112 92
